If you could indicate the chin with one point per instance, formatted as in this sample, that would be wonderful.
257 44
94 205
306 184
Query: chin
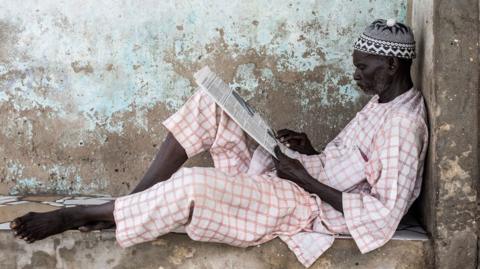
368 91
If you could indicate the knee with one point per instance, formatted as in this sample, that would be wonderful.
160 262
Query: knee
194 181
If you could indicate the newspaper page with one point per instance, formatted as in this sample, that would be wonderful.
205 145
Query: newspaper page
239 110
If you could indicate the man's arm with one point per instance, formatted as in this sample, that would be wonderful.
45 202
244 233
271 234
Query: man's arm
293 170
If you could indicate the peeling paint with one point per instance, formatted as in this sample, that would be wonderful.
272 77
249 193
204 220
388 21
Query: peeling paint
85 86
445 127
454 178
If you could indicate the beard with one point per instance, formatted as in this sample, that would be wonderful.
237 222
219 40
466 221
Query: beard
381 82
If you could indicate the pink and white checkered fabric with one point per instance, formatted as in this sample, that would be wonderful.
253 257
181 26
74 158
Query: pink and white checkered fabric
376 161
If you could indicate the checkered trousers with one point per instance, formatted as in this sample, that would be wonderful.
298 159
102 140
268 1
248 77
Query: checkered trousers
231 203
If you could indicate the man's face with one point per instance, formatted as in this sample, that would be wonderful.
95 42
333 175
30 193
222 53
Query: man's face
371 73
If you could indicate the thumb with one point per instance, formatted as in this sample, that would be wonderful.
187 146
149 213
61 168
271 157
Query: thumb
278 152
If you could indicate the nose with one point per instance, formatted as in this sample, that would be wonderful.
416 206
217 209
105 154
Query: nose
356 75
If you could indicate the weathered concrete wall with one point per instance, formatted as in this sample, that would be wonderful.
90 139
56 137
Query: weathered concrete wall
422 23
73 250
84 85
448 72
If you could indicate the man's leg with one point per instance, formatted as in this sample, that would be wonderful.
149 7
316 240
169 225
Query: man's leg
168 160
212 205
35 226
199 124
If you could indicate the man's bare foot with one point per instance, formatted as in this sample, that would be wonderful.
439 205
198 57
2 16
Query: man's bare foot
36 226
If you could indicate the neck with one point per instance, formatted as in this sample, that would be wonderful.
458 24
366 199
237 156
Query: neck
399 85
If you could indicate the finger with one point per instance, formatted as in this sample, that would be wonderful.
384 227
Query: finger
283 139
288 135
279 153
297 136
293 138
275 162
296 148
283 132
286 138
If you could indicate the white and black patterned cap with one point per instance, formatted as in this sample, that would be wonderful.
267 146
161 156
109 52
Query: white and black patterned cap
387 38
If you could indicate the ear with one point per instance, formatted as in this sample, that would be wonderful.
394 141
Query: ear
393 65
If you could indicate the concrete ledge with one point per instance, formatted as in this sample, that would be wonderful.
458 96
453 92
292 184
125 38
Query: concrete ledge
409 248
74 249
15 206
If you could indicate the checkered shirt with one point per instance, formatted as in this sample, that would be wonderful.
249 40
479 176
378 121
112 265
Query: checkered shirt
376 161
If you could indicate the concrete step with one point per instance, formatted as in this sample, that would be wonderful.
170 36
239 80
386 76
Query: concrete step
410 247
74 249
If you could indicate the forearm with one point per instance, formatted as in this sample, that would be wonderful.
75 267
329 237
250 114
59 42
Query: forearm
326 193
168 160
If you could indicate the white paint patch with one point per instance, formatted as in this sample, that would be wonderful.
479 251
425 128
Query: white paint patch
445 127
451 169
453 176
67 46
86 64
245 80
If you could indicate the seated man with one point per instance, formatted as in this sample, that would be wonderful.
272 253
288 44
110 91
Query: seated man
361 184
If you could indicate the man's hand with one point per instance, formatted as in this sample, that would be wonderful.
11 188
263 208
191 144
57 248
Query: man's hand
296 141
291 169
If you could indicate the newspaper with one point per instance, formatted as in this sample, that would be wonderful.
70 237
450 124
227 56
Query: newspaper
239 110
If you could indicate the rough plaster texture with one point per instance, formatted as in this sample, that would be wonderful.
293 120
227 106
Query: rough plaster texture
422 23
84 85
449 75
98 250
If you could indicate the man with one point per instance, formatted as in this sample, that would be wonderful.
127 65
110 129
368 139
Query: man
361 184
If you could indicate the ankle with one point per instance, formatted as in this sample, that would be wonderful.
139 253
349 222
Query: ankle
73 217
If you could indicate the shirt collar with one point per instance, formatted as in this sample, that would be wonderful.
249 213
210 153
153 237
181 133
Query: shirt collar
401 97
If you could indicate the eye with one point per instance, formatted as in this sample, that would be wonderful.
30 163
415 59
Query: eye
361 66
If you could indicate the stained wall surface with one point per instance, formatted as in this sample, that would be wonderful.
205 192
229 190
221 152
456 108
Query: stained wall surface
448 72
85 85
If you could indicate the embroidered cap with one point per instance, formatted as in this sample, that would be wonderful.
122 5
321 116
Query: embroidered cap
387 38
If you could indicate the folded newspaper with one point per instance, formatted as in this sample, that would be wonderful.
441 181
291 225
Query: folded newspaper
239 110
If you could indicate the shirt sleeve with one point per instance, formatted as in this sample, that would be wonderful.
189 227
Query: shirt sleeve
392 169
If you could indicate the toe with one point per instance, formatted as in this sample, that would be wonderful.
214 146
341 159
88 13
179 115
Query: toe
29 238
16 225
15 233
20 220
21 232
13 224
